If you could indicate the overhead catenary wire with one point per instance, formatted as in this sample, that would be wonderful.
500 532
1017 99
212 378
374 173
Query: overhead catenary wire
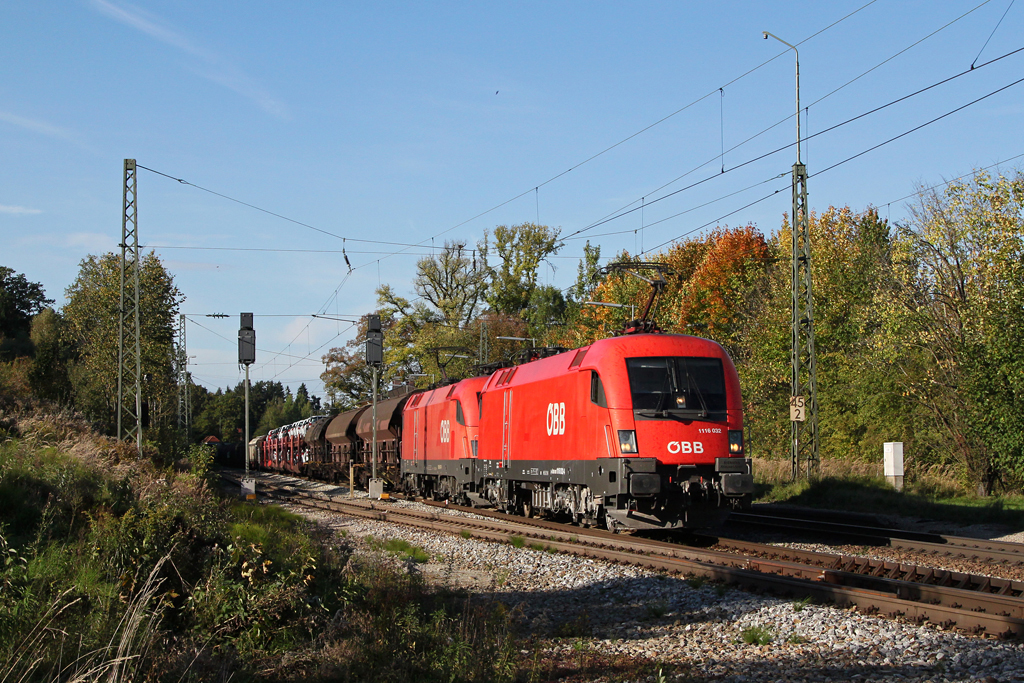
537 187
869 149
785 147
592 157
993 33
787 118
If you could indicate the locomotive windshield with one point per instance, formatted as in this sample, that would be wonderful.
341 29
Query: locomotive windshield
677 387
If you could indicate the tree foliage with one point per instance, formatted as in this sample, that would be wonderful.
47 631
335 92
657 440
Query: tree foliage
91 318
519 251
954 322
20 300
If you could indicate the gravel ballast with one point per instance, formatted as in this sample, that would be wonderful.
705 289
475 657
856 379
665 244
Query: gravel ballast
697 626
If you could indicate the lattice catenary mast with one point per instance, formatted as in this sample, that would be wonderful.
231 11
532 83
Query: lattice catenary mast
803 400
184 384
129 350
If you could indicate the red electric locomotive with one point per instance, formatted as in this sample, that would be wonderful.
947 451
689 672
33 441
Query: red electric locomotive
440 432
639 431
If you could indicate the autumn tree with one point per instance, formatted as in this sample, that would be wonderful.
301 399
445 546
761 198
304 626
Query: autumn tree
453 282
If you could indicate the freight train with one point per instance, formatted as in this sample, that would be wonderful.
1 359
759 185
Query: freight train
638 431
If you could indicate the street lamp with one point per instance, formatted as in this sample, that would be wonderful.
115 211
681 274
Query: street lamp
793 48
631 307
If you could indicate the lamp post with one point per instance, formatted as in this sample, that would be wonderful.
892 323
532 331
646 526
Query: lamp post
803 409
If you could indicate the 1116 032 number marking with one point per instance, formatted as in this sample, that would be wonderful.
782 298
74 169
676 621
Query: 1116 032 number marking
555 422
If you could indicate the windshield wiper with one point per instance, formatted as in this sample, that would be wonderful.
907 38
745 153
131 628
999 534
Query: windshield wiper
700 397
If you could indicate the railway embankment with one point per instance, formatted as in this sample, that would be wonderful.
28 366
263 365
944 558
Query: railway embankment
117 568
584 613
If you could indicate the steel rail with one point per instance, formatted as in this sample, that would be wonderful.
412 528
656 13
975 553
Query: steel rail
938 545
1001 614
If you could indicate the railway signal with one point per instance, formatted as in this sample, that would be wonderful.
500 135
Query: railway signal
375 358
246 357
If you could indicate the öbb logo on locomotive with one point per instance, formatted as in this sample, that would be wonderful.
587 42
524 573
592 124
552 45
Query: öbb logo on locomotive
555 422
656 439
676 447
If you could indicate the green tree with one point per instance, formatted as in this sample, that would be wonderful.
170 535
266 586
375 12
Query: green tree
20 300
92 319
222 414
48 374
519 251
452 282
546 313
954 323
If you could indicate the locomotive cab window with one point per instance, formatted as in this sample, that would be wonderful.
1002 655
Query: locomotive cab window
459 416
676 387
597 390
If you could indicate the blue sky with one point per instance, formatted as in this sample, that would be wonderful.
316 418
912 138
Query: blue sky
400 122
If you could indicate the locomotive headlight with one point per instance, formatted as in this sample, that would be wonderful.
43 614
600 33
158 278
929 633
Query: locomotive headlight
627 441
680 401
735 441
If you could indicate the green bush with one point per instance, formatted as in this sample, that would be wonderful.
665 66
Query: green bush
192 587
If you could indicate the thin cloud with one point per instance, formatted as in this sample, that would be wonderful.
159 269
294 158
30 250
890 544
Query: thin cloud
213 67
35 126
18 210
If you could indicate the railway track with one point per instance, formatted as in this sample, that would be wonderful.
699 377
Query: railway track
929 544
950 599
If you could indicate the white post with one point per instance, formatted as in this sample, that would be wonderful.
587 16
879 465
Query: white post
892 462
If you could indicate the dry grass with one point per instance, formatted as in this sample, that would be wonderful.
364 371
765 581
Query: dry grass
777 471
122 659
934 479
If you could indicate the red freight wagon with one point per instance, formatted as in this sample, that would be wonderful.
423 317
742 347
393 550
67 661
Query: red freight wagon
439 439
637 431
